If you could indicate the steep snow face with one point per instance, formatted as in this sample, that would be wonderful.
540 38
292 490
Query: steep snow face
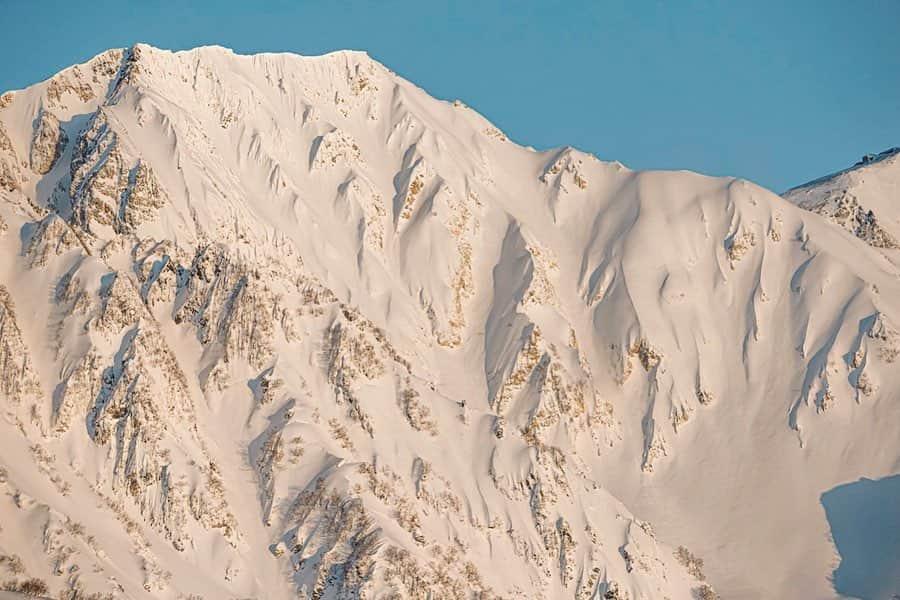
275 326
864 200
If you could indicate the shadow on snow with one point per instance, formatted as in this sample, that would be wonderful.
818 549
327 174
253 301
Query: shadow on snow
864 517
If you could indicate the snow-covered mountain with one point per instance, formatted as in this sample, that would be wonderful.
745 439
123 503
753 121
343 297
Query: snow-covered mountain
277 326
864 200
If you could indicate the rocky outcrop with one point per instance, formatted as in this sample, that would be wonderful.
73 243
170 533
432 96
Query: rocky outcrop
10 175
846 212
17 377
109 189
339 557
47 143
229 305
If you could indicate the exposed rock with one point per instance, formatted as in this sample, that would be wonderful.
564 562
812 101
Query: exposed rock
10 175
17 378
48 142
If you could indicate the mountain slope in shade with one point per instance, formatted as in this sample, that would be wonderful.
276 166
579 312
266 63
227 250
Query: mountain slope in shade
274 326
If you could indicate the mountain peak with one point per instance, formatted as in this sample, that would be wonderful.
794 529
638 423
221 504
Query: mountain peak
215 49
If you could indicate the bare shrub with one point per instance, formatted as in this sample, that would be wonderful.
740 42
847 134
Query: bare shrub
707 593
693 564
33 587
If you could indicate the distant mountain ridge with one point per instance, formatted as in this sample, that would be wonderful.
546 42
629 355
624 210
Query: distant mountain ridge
864 200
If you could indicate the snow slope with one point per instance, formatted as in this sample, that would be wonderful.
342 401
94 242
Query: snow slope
276 326
864 200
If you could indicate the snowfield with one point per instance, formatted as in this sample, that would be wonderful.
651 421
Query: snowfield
277 327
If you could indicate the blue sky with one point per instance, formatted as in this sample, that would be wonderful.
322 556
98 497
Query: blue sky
779 92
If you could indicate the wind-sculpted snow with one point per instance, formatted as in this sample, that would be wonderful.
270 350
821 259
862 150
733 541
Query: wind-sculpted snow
278 327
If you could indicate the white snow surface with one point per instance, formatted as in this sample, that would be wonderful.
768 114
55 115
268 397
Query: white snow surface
276 326
864 199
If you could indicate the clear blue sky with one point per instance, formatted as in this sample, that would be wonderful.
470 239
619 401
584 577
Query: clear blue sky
777 91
